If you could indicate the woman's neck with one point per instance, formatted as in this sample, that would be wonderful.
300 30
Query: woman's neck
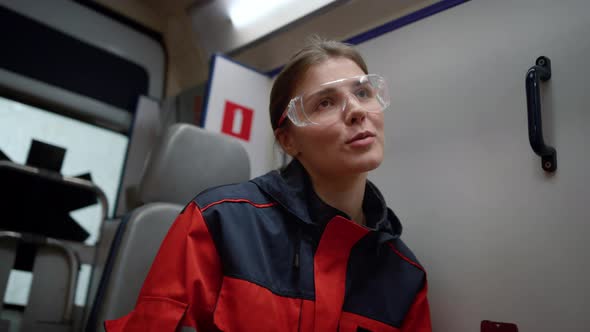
344 193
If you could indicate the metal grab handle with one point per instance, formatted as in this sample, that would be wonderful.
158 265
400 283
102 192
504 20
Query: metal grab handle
540 72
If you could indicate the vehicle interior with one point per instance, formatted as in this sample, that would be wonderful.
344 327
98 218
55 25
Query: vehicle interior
115 114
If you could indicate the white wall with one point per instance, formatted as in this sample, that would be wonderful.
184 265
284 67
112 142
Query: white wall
501 240
232 82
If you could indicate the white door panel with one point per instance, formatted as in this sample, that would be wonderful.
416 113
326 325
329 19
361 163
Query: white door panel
501 240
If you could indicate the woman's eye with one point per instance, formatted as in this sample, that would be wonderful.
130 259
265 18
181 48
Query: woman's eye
324 104
363 93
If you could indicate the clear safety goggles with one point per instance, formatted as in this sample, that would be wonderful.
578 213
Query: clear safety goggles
325 104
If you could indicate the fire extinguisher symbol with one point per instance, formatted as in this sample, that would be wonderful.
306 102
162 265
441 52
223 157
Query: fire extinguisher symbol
237 120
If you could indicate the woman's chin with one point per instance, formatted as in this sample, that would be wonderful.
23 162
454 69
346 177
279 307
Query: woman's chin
363 165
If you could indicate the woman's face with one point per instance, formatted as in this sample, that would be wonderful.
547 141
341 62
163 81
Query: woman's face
337 149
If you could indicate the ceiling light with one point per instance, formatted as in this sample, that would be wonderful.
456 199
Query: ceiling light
245 12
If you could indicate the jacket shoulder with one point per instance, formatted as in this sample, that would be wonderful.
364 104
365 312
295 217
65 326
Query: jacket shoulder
402 250
246 192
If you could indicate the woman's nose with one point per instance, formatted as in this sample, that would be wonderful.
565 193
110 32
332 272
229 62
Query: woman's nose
353 112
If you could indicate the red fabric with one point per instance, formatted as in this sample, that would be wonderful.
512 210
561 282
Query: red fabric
185 287
418 318
187 271
330 264
307 320
351 322
244 306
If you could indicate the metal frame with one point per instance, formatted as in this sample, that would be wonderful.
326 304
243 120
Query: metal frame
77 253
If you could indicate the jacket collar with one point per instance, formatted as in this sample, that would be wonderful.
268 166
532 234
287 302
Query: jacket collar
291 187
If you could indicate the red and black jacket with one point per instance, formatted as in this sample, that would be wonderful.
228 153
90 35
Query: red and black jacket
269 255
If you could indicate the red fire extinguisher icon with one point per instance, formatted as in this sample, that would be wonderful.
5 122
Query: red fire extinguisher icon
237 120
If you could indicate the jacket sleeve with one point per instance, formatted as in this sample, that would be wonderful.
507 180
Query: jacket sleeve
183 282
418 318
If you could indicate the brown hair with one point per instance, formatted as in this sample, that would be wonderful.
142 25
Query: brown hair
316 51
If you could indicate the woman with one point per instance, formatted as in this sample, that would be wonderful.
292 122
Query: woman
312 247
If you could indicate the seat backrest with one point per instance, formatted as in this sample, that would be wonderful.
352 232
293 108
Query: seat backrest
133 249
187 161
103 247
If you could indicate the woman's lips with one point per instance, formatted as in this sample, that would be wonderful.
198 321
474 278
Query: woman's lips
362 142
362 139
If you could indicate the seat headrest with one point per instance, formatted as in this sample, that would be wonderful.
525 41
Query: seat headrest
189 160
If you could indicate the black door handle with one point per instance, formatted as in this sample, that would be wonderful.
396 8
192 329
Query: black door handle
541 71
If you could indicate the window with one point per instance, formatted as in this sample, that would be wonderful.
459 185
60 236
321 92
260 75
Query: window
89 149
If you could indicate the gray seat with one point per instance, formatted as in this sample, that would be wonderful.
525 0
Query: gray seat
108 231
187 161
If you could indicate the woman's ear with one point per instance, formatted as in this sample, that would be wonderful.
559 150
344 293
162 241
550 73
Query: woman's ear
287 141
